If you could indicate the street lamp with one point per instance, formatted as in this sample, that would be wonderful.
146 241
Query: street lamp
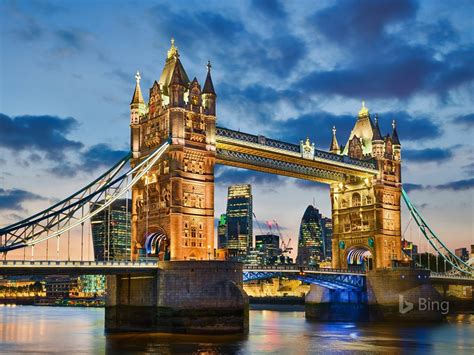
209 252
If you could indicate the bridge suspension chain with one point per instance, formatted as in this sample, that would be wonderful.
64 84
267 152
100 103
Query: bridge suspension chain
435 241
71 212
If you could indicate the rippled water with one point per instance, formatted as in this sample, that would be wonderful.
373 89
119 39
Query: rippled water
31 329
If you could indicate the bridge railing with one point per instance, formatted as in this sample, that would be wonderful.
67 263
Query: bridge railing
300 268
450 276
294 148
138 263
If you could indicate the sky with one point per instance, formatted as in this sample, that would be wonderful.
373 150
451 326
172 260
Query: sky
283 69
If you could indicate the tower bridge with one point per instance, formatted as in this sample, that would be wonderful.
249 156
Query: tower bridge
174 146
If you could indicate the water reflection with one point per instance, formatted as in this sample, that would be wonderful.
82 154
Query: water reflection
72 330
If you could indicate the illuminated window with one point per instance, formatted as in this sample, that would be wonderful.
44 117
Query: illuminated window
355 200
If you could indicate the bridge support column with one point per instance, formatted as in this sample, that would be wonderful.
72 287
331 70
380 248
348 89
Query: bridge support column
336 305
404 295
202 297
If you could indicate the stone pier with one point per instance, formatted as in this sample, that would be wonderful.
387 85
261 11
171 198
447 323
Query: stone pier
194 297
336 305
405 295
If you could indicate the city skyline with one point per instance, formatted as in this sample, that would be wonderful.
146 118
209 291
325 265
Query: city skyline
86 126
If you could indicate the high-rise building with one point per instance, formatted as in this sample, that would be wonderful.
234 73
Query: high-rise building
462 254
409 249
314 243
222 232
326 224
111 233
239 220
268 246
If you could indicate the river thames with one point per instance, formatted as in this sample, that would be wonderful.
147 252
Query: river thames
29 329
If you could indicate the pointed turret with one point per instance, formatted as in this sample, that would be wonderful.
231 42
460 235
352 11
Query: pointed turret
137 94
177 86
172 61
363 129
395 139
377 135
209 94
396 142
137 109
334 144
377 140
208 85
177 77
137 105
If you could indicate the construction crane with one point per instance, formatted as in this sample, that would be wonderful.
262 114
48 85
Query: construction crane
258 223
285 247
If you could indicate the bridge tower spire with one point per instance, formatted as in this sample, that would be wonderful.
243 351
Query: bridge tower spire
334 148
137 109
209 94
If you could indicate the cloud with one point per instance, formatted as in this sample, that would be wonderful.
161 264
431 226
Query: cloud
71 41
12 200
230 43
469 169
438 155
230 175
272 9
466 121
358 23
408 187
459 185
317 125
380 60
100 155
90 160
310 185
38 134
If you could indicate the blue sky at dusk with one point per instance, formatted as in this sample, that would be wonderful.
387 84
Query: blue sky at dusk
286 70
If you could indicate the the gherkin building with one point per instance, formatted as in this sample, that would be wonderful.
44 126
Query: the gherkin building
311 243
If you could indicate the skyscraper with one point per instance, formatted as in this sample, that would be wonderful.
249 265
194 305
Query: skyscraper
326 224
222 232
239 220
314 243
111 234
268 246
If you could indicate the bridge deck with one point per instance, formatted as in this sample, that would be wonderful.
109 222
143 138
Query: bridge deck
16 267
268 155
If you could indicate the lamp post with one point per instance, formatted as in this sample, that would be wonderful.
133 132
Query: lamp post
209 252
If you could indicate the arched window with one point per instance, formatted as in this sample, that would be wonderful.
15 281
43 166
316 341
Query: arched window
355 199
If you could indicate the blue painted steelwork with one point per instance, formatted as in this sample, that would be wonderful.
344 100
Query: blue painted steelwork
343 280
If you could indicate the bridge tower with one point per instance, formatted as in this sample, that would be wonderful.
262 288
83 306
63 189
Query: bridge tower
173 206
366 211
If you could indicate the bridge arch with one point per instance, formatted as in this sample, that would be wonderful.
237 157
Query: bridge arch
157 245
360 256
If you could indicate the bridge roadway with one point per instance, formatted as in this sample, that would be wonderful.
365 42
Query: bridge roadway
49 267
